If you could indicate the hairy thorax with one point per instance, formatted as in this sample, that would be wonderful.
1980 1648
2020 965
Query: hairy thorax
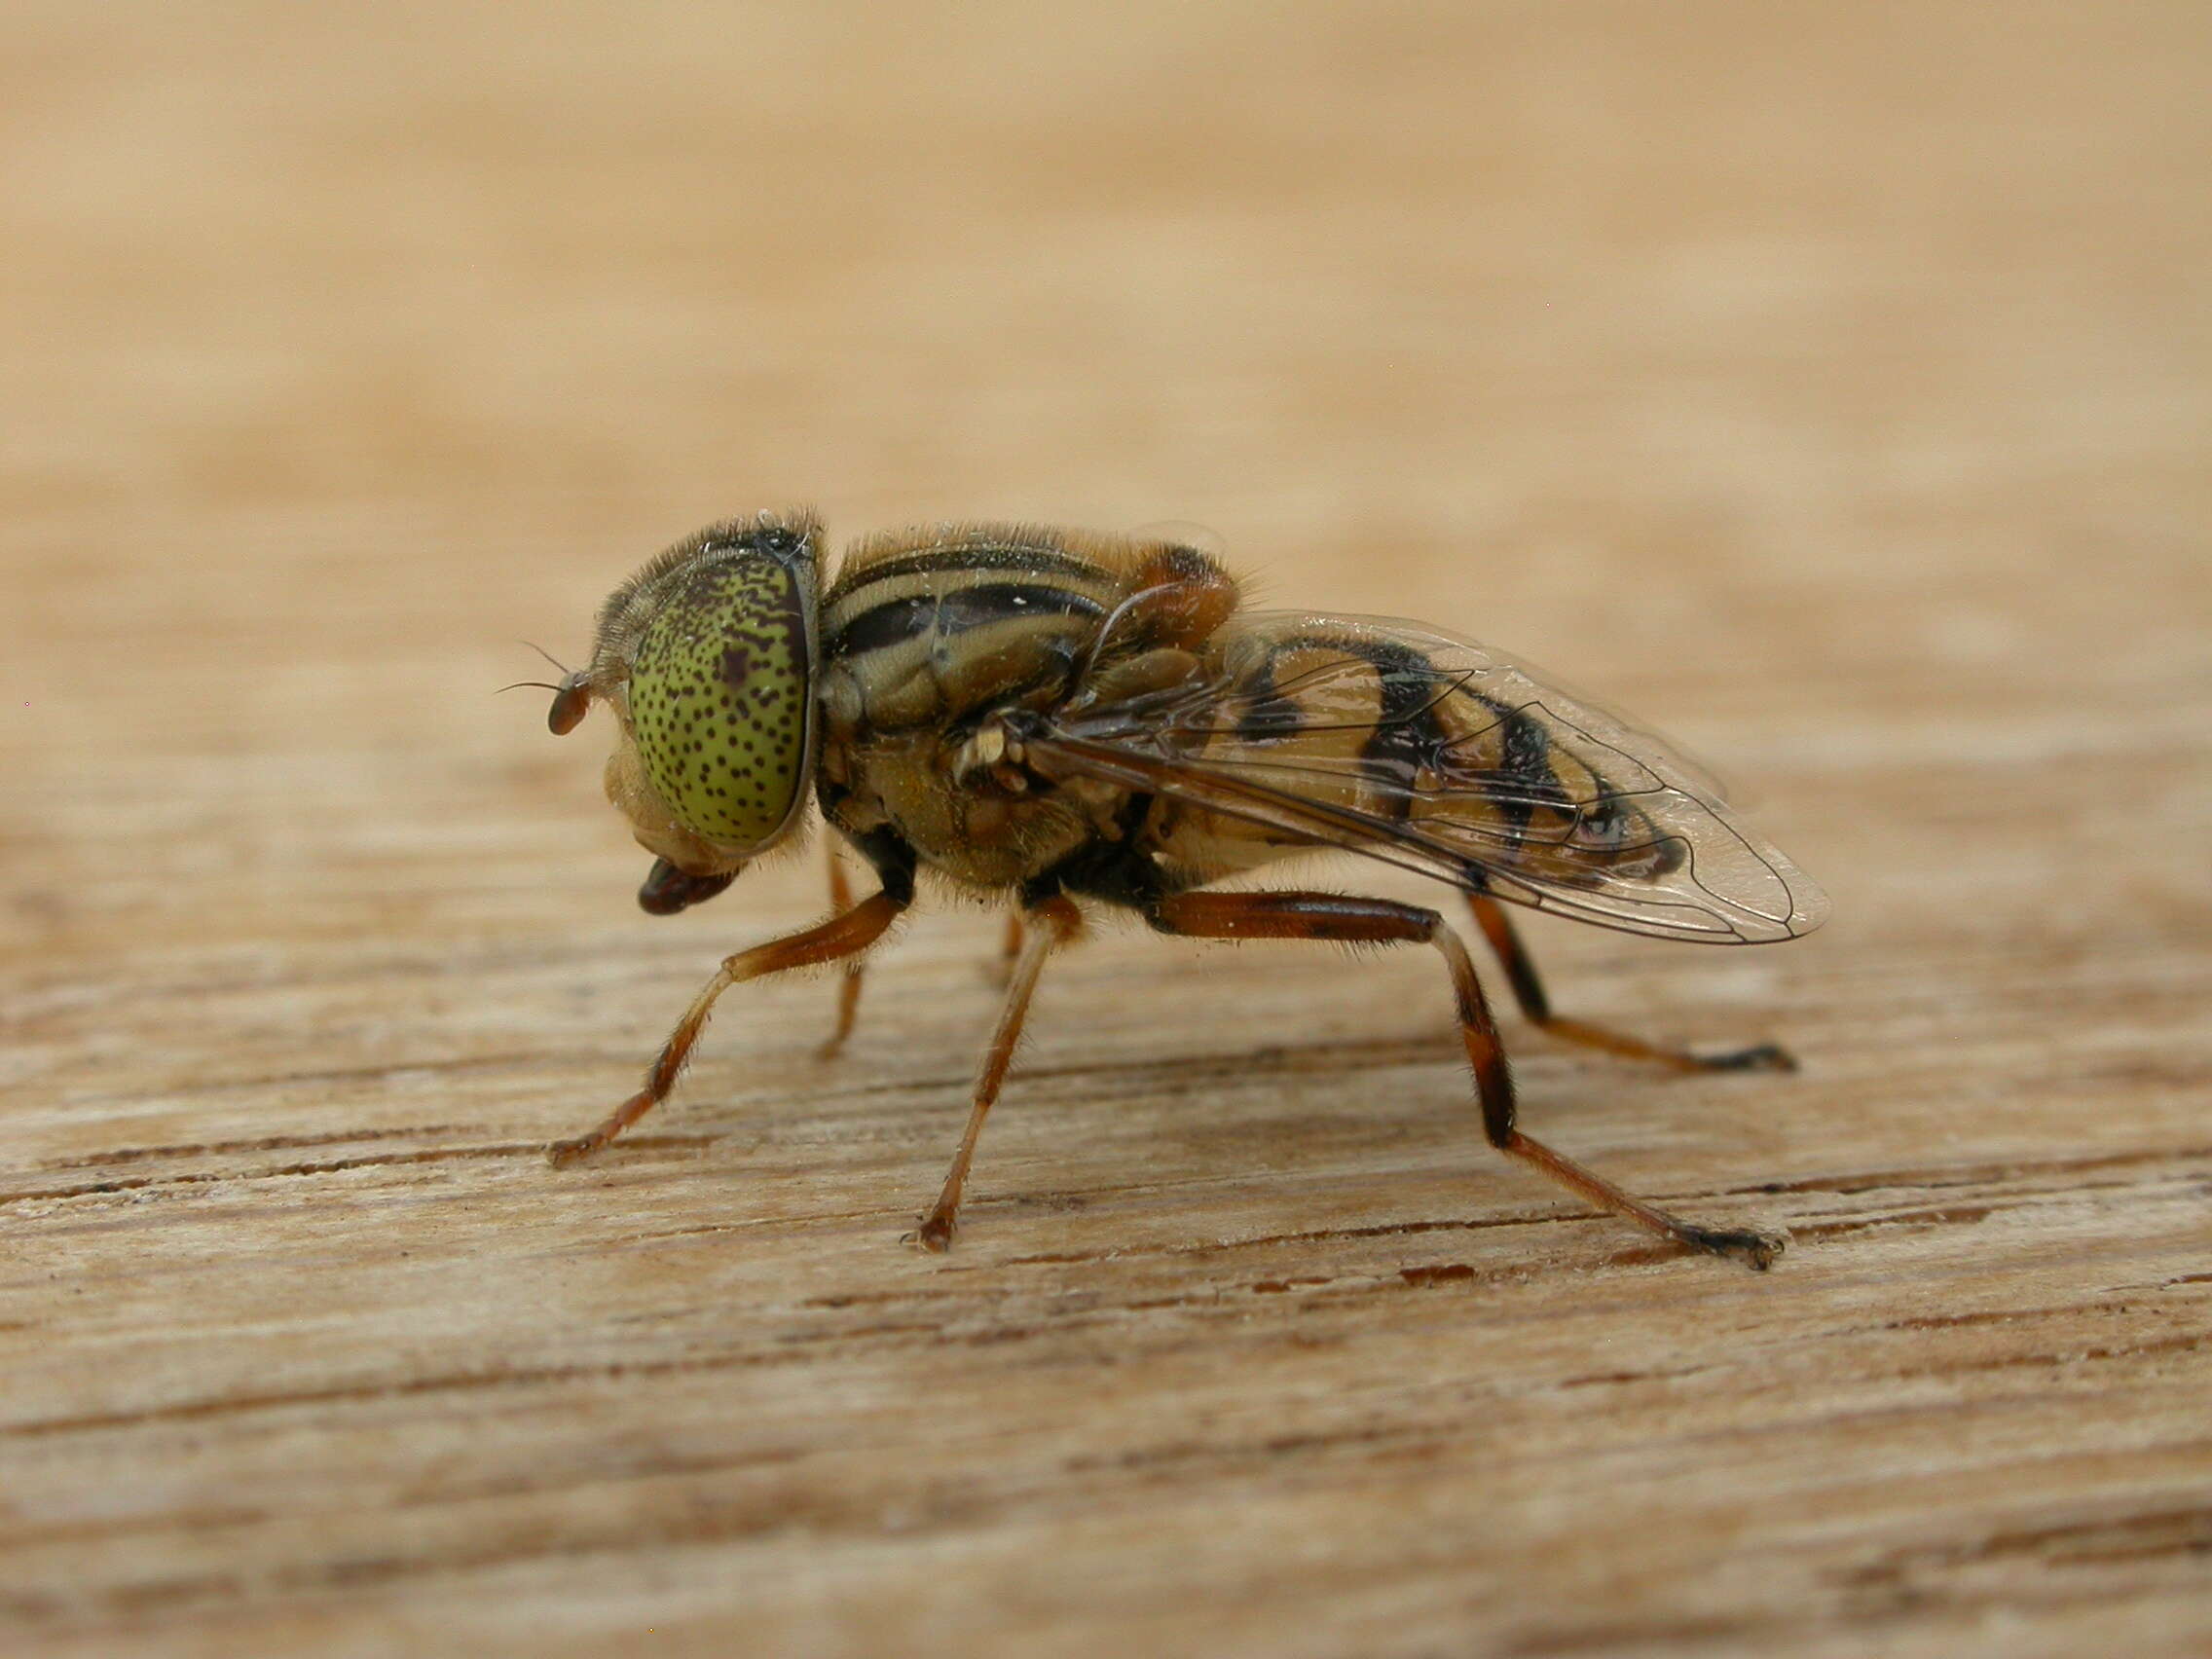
927 641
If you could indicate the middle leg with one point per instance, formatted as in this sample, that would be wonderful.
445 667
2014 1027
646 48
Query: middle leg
998 970
1053 922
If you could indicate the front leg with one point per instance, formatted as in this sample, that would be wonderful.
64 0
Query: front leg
840 938
856 965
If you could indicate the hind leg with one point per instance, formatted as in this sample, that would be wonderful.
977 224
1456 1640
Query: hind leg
1381 921
1529 991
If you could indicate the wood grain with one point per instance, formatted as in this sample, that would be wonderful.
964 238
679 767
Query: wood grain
1833 387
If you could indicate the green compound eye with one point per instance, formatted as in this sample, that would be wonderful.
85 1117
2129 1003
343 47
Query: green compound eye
718 697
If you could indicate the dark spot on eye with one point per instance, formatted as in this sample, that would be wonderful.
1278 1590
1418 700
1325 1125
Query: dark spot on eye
736 665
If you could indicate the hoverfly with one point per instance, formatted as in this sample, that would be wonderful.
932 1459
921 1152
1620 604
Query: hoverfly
1051 720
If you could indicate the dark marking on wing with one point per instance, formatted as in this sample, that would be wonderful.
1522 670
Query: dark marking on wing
1409 738
1524 753
1268 714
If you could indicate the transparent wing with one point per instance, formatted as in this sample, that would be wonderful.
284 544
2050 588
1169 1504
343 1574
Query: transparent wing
1443 756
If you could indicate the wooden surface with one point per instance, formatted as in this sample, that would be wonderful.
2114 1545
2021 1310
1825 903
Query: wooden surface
1827 385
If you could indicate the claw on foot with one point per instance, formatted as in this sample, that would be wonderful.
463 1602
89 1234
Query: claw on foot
562 1153
1764 1056
935 1235
1755 1250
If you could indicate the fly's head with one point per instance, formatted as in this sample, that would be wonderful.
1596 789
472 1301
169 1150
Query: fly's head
706 657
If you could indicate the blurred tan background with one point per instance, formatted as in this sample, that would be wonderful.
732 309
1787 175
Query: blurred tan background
1830 386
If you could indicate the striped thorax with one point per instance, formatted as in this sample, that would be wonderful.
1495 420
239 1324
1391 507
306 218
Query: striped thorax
927 636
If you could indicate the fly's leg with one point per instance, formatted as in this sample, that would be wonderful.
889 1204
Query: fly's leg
1380 921
1529 991
1053 922
841 936
848 982
1000 969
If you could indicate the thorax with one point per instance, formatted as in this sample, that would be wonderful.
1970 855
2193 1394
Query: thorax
920 644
